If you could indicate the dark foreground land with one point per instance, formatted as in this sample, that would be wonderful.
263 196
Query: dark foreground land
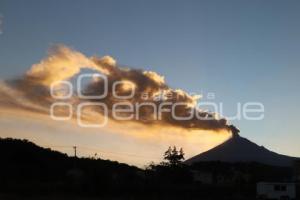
28 171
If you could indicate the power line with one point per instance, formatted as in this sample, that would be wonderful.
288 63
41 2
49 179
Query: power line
121 153
100 150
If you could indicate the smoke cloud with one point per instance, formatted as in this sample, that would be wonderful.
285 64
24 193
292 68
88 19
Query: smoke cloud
150 91
63 63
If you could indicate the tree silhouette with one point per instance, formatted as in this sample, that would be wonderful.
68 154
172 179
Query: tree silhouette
173 157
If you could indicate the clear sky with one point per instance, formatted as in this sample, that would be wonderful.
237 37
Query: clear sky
240 50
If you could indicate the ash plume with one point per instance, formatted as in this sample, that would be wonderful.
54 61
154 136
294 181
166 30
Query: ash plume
63 64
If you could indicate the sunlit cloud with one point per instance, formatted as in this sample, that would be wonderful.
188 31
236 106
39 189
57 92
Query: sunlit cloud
63 63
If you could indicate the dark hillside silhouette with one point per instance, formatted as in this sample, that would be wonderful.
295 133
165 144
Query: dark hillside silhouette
28 170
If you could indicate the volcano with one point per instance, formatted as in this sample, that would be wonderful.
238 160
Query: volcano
239 149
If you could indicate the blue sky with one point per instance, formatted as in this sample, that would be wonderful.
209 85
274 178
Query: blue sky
240 50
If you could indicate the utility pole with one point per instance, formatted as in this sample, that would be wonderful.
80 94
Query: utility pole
75 151
75 156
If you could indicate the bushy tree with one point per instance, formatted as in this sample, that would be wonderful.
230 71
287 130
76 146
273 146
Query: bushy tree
173 157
